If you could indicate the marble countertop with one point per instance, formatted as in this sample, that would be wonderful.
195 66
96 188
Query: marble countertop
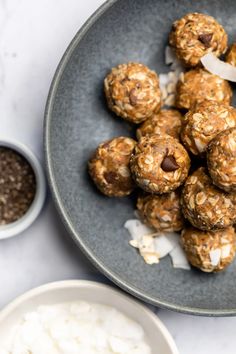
33 37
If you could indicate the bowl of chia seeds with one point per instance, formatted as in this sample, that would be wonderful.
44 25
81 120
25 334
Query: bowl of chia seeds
22 188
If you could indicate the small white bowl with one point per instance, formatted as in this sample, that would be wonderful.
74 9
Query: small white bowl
158 336
28 218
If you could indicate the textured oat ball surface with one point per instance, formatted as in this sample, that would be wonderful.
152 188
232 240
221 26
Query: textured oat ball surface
197 85
132 91
206 206
195 35
203 122
162 212
167 121
209 251
231 55
221 159
109 167
159 164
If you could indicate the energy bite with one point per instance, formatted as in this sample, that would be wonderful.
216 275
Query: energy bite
109 167
162 212
195 35
197 85
203 122
159 164
231 55
167 121
221 160
207 250
132 92
204 205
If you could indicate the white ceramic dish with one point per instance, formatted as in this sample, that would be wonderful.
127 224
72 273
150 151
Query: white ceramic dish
158 336
26 220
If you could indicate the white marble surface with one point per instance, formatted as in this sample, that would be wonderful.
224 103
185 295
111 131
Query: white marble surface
33 37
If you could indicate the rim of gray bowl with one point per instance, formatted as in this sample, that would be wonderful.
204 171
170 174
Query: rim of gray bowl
56 196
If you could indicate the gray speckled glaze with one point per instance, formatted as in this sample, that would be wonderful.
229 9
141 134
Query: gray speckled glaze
77 120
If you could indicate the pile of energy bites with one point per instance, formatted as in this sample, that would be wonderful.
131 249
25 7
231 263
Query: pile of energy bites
184 159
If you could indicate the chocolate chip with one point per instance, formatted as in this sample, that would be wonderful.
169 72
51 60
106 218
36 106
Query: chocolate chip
173 27
106 144
169 164
132 97
110 177
123 81
205 39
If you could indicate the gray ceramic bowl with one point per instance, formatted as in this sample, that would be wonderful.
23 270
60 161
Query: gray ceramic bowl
77 120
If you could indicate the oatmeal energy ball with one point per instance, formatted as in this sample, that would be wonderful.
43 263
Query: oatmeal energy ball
203 122
204 205
159 164
195 35
162 212
198 85
109 167
221 159
167 121
231 55
207 250
132 92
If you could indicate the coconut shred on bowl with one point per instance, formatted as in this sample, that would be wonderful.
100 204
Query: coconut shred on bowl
76 327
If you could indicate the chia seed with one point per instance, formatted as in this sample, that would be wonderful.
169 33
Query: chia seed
17 186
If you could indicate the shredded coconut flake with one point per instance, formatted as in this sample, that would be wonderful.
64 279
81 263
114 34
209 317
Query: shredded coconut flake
168 81
137 229
218 67
163 80
225 251
215 256
163 245
153 246
179 259
170 56
200 146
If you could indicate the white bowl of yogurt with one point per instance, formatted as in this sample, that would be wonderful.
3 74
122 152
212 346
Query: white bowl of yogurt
78 316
